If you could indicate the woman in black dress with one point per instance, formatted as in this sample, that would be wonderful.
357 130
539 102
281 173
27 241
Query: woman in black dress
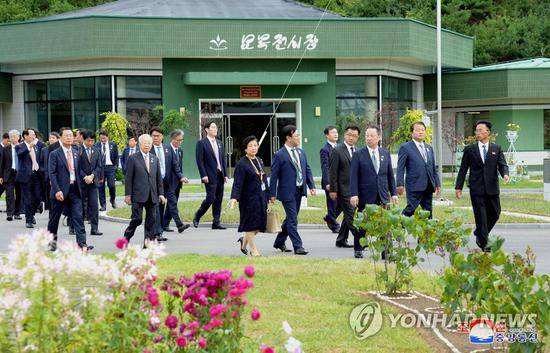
250 190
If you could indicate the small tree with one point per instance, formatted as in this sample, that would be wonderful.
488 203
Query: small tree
403 132
117 127
173 120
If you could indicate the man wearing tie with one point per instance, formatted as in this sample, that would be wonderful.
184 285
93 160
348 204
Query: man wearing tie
340 165
416 159
290 177
28 174
109 153
210 157
173 184
10 165
485 161
66 191
89 173
331 134
143 189
127 152
53 143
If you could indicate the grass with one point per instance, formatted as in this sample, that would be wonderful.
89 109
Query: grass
534 182
314 296
523 203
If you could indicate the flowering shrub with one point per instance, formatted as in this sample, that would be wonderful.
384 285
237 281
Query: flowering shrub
513 127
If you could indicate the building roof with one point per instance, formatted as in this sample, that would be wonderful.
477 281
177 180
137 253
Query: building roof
257 9
535 63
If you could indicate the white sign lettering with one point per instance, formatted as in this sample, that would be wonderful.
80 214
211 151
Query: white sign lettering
265 41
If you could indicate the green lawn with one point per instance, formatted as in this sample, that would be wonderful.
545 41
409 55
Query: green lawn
530 203
314 296
532 183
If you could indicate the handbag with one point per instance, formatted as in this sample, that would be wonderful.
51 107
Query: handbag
273 224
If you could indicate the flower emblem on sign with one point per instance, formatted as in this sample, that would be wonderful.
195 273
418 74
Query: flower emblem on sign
218 43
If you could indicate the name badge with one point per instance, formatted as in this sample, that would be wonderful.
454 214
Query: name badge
263 187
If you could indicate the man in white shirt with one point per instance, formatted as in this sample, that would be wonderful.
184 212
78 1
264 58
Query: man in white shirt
109 153
331 134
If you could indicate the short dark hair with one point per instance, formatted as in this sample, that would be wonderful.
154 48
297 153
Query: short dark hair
64 128
156 129
132 137
417 123
353 127
5 135
54 133
26 131
247 140
288 131
88 134
207 124
486 123
81 132
376 127
329 129
174 134
104 133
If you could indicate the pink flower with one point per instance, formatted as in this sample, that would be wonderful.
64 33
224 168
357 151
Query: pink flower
121 243
171 321
202 343
249 271
215 322
193 325
218 309
152 296
158 339
265 349
255 314
181 341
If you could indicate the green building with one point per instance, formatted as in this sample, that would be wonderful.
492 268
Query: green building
251 66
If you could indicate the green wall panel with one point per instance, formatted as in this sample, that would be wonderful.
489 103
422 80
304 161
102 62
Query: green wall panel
176 94
531 121
5 88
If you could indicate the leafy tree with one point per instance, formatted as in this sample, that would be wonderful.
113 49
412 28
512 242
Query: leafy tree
117 126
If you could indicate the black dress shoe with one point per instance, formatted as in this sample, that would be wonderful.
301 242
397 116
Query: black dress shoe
161 238
95 232
18 217
218 226
183 227
29 225
195 223
335 229
41 208
113 204
103 209
300 251
358 254
33 220
167 229
244 251
87 248
9 218
52 245
344 245
282 248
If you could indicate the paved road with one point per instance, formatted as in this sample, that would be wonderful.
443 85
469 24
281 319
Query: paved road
320 242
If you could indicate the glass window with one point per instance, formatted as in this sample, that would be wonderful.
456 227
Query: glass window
59 90
83 88
362 107
36 115
60 115
35 91
136 109
103 87
356 86
84 114
138 87
547 129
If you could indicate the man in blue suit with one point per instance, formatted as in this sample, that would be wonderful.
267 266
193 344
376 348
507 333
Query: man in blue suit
90 172
109 153
66 191
127 152
290 178
28 175
416 159
210 157
333 211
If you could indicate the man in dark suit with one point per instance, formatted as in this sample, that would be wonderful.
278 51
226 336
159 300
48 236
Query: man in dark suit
53 143
143 189
416 159
340 166
90 171
5 142
290 178
109 153
485 161
28 174
173 182
213 171
331 134
127 152
10 164
66 191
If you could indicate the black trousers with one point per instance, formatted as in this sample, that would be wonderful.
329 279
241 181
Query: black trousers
333 210
32 195
13 196
109 179
347 223
419 198
90 205
73 204
214 197
486 213
172 197
151 210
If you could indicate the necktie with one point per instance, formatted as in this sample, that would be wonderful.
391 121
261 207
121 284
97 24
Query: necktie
352 150
217 153
161 161
69 161
375 162
423 151
32 152
15 159
484 153
296 162
147 163
88 153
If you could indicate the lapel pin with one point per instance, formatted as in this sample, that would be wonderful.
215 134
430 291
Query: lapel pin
493 153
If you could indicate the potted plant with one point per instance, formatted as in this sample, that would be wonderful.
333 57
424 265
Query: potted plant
512 132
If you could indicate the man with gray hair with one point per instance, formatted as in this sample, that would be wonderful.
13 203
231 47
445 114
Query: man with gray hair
9 165
143 189
173 183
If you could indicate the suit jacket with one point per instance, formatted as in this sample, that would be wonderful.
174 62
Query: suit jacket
483 179
45 155
6 164
25 163
283 175
140 184
90 166
172 169
58 170
411 162
124 157
324 154
179 159
340 168
206 159
113 149
368 185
